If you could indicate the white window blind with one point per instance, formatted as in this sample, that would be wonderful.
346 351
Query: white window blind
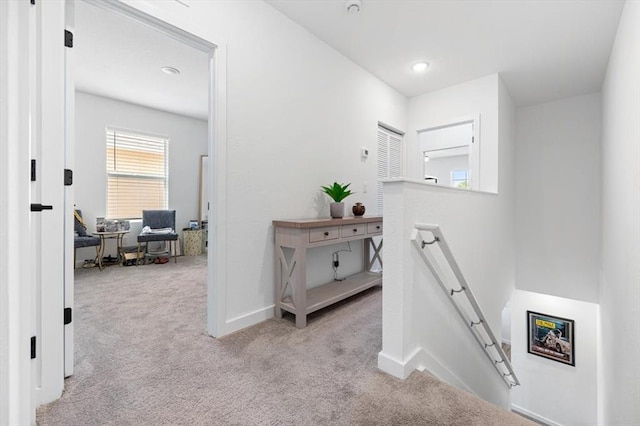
137 174
389 159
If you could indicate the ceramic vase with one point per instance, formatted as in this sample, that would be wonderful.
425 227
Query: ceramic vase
337 210
358 209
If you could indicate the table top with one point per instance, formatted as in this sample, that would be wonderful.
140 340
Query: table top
315 223
108 233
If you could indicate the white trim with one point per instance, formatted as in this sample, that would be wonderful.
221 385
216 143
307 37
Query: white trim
431 364
247 320
420 360
534 416
217 185
397 368
434 186
390 128
473 118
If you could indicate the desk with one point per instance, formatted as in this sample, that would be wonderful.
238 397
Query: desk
118 235
290 271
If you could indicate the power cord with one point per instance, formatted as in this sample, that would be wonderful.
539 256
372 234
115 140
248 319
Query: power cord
336 261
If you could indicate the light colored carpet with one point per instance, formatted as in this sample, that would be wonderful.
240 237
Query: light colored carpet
143 357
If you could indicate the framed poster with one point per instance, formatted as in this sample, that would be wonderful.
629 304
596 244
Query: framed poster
551 337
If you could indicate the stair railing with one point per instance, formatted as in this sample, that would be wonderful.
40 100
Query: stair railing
475 320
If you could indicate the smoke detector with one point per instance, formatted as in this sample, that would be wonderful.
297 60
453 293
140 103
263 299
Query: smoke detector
353 6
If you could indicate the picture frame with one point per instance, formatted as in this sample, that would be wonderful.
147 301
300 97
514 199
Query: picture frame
551 337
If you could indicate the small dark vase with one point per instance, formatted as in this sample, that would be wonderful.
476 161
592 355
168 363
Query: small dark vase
358 209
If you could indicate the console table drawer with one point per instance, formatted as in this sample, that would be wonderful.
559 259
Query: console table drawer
374 228
352 230
324 234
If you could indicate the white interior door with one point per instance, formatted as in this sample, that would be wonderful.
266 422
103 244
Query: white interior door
48 226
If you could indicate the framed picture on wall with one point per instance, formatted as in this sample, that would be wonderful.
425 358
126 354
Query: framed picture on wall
551 337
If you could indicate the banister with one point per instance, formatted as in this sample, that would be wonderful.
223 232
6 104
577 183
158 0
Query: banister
478 323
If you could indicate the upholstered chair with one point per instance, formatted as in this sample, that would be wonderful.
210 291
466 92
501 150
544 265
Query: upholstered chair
82 239
158 220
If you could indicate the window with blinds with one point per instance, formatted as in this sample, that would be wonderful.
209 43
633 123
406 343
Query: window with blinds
389 158
137 174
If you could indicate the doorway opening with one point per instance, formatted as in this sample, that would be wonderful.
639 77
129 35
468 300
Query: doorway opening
187 187
449 154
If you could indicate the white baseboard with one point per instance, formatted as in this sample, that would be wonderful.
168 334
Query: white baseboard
434 366
397 368
247 320
533 416
508 342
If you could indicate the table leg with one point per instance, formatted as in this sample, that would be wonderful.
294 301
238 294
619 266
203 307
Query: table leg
299 286
120 248
101 253
278 278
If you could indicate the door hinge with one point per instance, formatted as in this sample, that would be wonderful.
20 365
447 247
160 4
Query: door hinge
473 139
33 347
40 207
68 316
33 170
68 177
68 38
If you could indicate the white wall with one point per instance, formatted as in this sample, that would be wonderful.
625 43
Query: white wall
187 142
620 279
506 323
558 199
297 114
453 103
550 391
420 328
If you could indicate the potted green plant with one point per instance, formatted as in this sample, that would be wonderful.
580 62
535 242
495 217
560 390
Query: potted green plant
337 192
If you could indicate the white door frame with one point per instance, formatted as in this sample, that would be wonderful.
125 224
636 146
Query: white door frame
17 22
32 243
158 17
474 147
69 191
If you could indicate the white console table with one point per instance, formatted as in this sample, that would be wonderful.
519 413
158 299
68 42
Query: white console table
291 269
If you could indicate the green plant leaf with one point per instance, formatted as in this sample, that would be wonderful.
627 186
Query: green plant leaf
337 192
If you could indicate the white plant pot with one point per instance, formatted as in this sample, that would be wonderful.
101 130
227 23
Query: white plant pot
337 210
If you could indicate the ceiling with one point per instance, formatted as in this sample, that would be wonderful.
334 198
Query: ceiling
543 50
120 59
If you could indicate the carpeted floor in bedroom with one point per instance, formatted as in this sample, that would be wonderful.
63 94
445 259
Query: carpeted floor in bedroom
143 356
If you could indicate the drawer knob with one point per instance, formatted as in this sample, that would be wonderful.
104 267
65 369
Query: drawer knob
378 227
326 233
355 230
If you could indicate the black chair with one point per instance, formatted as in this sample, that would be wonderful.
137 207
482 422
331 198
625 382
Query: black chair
83 239
158 220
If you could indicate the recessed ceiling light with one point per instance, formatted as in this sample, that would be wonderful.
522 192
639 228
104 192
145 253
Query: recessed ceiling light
420 66
170 70
353 6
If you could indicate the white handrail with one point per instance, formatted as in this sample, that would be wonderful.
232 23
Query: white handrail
492 348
